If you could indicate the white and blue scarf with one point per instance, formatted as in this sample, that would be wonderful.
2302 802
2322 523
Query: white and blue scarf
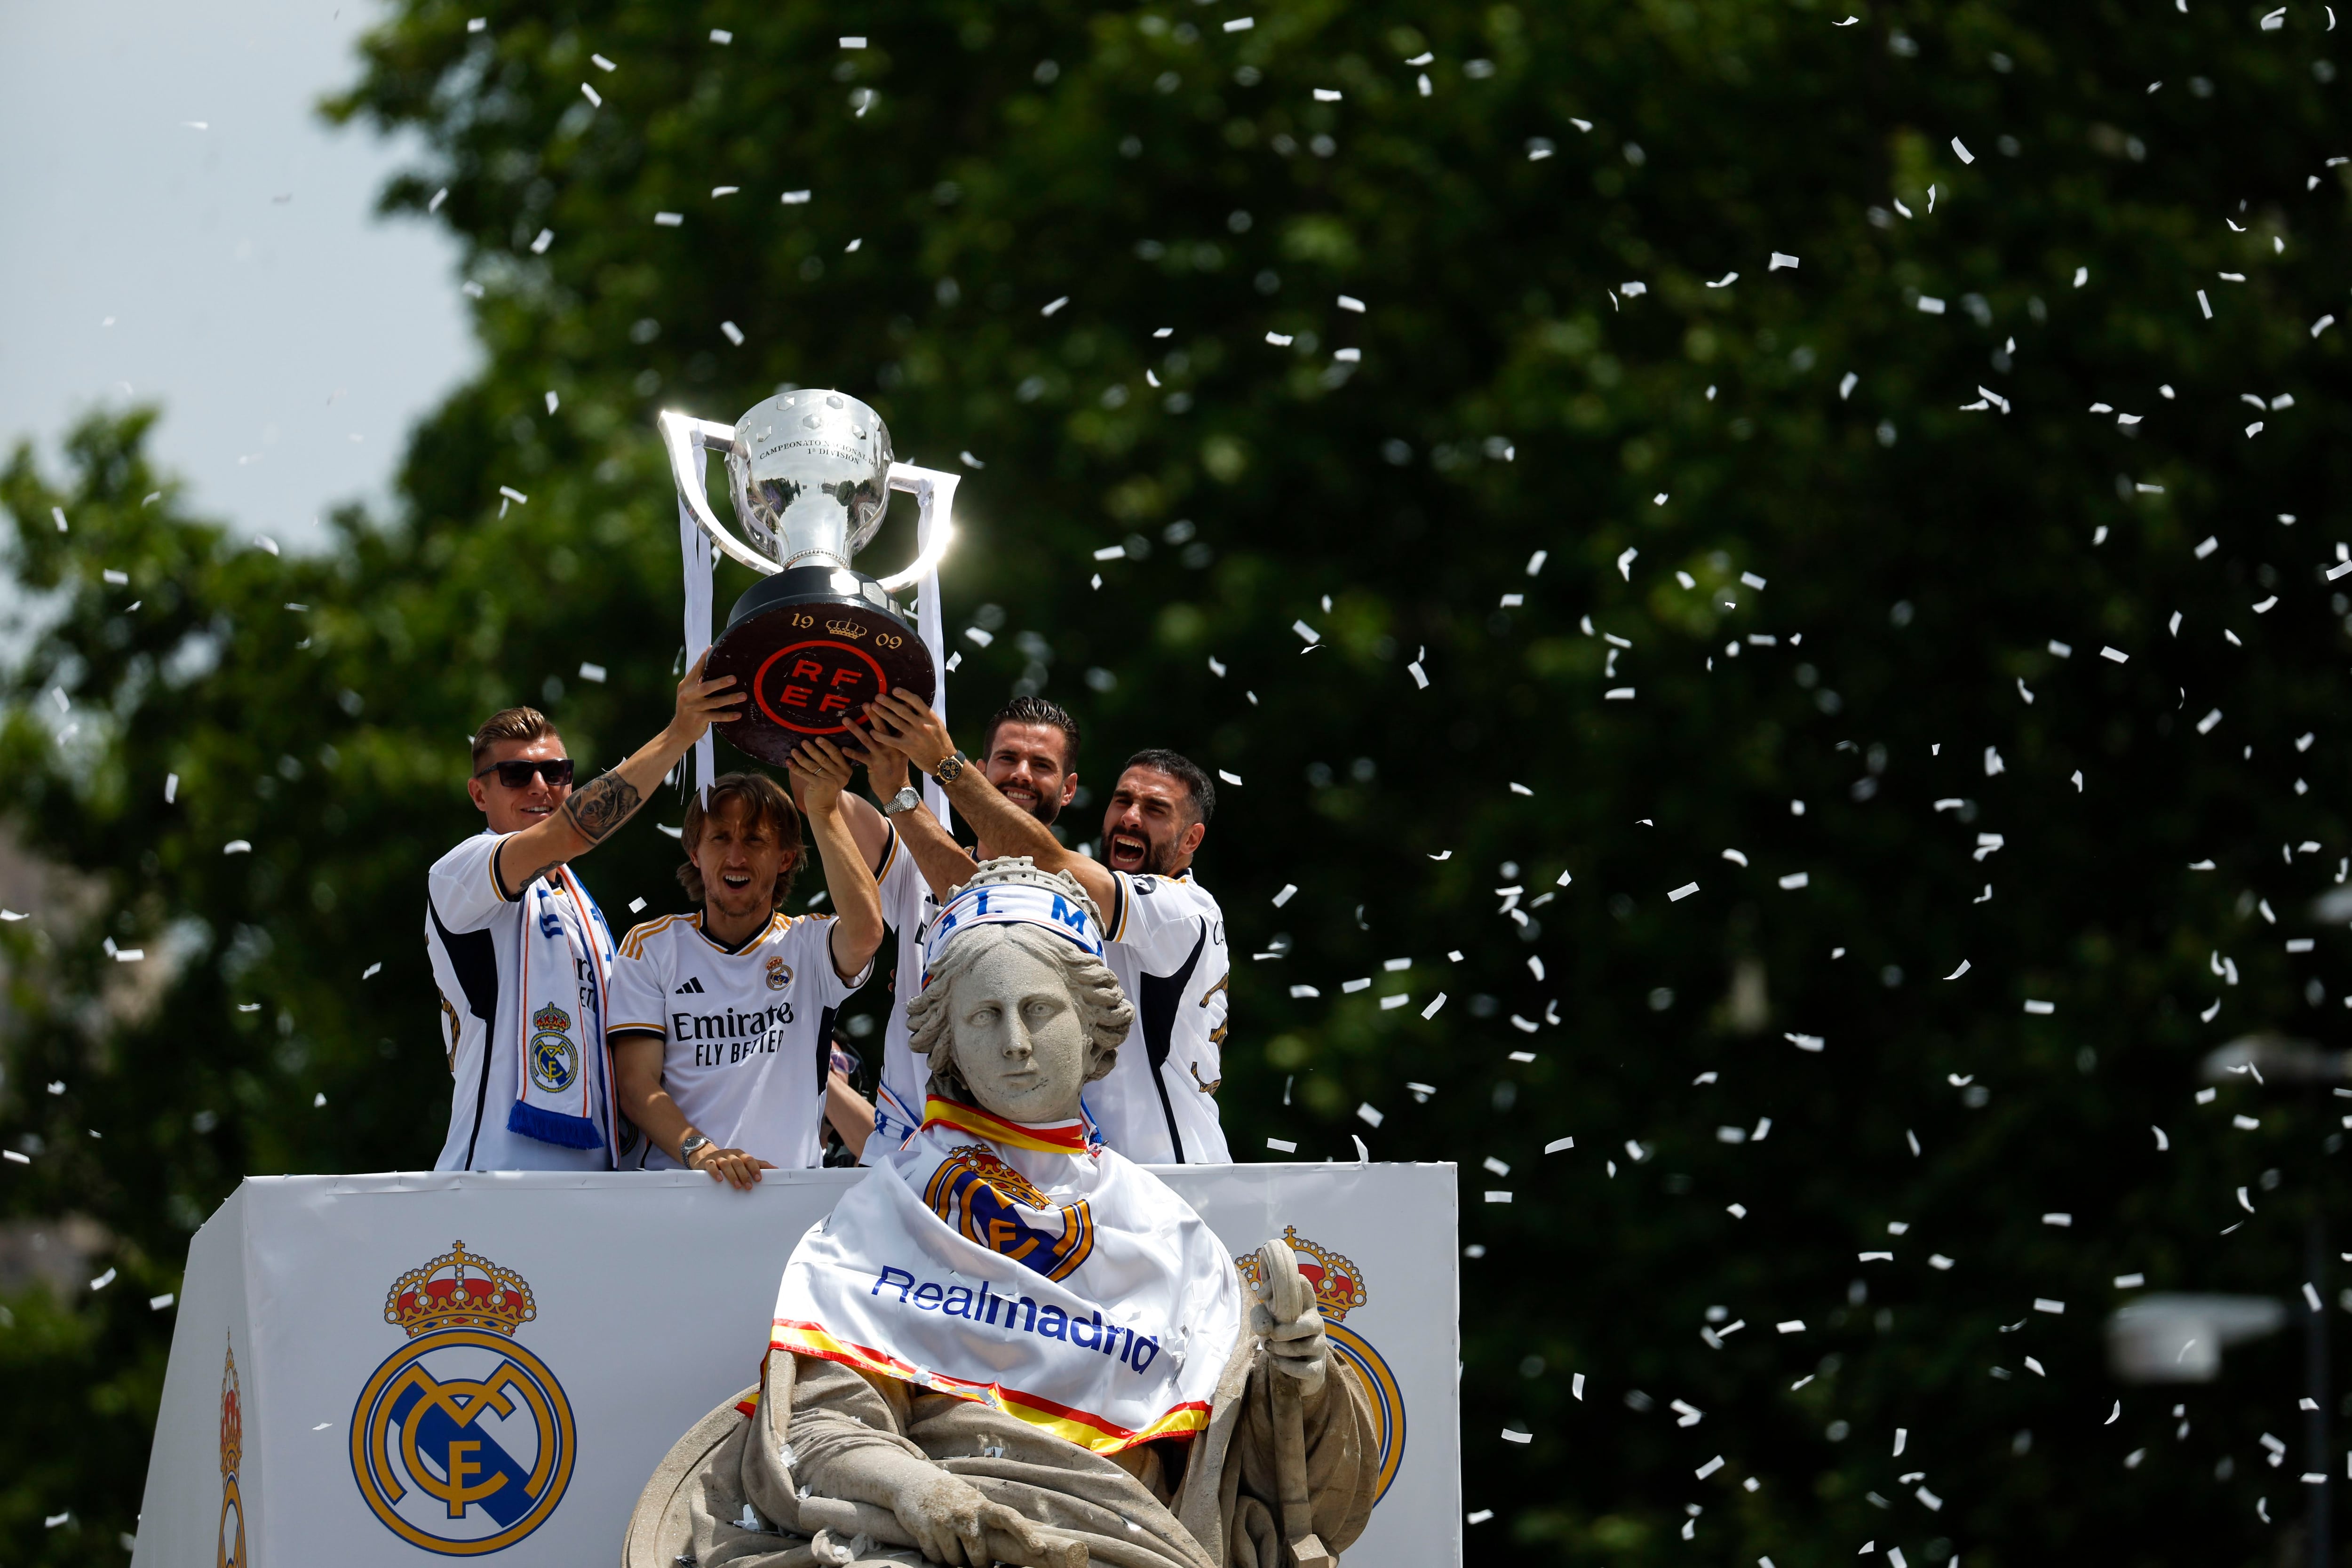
563 1088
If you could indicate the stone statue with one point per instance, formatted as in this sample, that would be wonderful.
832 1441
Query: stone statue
1010 1345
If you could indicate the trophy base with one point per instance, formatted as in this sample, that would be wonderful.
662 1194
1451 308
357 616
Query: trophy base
813 646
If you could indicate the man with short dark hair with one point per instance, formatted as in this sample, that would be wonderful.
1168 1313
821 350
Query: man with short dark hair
721 1023
521 953
1030 755
1165 934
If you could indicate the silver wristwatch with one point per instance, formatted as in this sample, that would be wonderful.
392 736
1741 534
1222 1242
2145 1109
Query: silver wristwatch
687 1145
905 800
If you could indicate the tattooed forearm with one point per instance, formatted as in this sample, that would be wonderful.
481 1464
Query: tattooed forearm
602 805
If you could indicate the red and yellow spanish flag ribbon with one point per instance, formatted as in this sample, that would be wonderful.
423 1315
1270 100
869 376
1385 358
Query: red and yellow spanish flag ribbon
1086 1429
1056 1138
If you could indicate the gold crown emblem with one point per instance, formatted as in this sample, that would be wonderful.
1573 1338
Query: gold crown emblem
232 1419
459 1290
1332 1276
550 1018
849 629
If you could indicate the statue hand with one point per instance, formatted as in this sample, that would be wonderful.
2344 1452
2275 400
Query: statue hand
952 1522
1299 1348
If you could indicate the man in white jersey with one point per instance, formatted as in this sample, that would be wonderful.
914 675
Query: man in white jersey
520 951
1165 936
722 1020
1029 753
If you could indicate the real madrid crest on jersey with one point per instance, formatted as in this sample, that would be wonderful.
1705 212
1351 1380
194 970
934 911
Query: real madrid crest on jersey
554 1060
992 1204
1339 1288
232 1460
462 1442
780 973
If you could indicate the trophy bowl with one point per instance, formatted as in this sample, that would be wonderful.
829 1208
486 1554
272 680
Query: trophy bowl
815 640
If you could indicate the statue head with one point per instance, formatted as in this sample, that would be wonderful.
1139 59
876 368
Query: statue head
1018 1012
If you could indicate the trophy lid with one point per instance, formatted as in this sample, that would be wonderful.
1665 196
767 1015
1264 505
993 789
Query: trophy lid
810 471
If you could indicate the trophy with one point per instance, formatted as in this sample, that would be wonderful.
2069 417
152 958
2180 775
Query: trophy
814 641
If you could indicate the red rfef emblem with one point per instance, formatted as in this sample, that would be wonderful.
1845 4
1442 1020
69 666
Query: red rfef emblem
813 651
812 687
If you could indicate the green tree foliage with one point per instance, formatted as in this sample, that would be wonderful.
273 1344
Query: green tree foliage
1763 584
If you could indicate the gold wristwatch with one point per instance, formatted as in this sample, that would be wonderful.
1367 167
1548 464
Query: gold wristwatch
950 767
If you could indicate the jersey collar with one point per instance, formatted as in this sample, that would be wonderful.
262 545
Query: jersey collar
747 944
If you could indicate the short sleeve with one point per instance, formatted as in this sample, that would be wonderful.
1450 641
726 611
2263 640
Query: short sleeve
899 881
1157 918
638 998
816 932
464 884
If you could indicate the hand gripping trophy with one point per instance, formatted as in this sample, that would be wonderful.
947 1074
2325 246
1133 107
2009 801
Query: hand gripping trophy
811 473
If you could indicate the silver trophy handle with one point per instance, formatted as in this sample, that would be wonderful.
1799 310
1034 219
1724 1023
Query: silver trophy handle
934 494
687 439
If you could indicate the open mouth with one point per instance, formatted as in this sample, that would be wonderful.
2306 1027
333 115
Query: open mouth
1020 794
736 880
1127 851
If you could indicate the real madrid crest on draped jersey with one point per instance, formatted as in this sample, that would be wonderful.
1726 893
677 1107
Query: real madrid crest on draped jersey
1021 1267
463 1441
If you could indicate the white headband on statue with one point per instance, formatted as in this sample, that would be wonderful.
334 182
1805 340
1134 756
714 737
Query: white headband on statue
1037 903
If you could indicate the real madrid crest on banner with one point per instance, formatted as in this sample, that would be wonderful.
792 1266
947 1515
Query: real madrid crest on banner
232 1460
462 1442
1338 1287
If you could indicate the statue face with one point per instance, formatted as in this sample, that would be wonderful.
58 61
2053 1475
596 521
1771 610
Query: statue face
1017 1034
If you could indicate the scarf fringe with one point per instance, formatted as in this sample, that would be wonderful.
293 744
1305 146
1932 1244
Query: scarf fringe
549 1126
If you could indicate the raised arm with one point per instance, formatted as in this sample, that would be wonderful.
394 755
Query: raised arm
591 812
910 728
820 774
886 772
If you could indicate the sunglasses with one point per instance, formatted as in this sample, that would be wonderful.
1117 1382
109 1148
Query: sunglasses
556 771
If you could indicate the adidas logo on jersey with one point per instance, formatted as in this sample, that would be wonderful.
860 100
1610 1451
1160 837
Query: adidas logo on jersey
694 985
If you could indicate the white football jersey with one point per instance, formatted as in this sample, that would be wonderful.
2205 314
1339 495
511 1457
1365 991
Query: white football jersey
474 934
907 909
1167 945
747 1032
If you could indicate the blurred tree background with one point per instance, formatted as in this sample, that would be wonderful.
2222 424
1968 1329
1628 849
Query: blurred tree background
1706 441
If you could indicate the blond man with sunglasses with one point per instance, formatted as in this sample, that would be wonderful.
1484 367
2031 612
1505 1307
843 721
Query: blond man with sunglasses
521 953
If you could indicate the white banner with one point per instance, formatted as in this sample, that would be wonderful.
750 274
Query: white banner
402 1369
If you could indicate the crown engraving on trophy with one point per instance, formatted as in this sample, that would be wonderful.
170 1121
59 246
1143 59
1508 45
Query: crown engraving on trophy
1337 1284
459 1290
849 629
